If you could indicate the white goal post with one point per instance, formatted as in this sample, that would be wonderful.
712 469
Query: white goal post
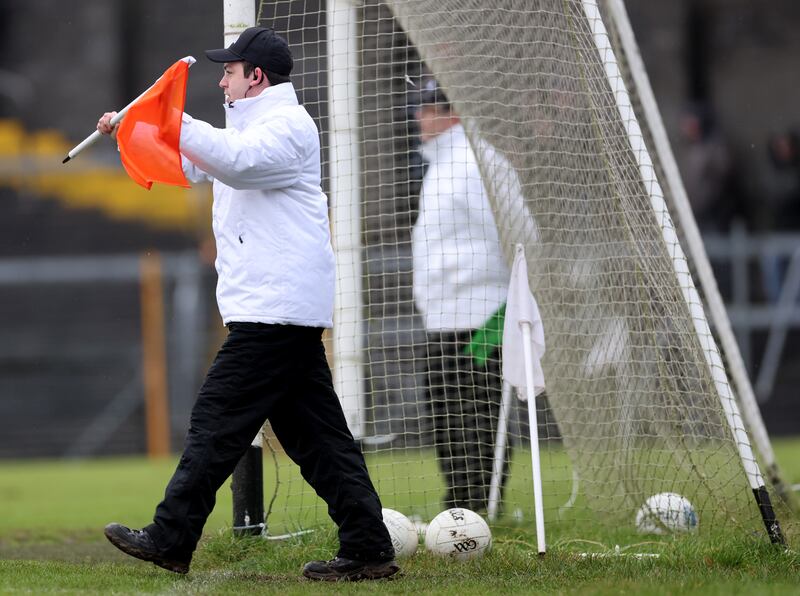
679 261
638 397
690 235
247 478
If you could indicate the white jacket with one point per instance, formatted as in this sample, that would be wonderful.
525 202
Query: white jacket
270 216
460 275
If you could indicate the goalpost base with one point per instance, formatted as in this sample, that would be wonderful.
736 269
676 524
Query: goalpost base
768 515
247 485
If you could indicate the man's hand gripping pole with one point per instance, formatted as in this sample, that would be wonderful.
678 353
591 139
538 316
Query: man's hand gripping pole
92 138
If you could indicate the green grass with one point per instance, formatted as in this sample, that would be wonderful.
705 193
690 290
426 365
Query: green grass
51 541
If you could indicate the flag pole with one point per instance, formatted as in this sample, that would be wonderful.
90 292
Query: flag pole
499 452
522 313
92 138
534 435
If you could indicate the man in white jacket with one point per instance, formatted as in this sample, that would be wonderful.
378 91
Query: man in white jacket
460 281
275 294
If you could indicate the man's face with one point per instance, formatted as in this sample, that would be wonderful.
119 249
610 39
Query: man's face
233 81
434 120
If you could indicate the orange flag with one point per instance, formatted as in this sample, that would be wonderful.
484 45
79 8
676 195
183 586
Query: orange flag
149 135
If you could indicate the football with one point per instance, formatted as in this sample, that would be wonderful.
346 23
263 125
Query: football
459 534
666 512
402 532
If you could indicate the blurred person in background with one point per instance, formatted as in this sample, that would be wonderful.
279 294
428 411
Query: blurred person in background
707 168
460 283
275 294
783 204
784 153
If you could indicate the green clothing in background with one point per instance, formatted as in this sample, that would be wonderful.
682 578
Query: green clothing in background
487 339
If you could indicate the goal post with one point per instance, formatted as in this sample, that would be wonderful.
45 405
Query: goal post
690 237
585 80
247 480
692 298
344 192
638 399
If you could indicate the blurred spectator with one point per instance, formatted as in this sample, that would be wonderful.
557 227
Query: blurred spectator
706 166
783 196
784 153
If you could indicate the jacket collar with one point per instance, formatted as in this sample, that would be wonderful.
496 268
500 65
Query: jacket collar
443 144
242 111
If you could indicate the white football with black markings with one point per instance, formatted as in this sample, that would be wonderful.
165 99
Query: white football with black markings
402 531
458 534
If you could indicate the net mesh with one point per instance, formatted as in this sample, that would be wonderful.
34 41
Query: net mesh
682 217
631 407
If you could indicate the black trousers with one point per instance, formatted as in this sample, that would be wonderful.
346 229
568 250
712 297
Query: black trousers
464 397
275 372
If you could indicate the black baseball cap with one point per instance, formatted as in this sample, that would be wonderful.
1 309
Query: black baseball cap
260 46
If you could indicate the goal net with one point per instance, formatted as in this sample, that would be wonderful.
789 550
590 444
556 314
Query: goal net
637 398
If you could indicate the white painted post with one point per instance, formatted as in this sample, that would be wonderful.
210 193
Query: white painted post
345 200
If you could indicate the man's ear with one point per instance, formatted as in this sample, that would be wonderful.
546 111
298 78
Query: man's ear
258 76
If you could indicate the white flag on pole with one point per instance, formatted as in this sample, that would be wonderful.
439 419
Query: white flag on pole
521 309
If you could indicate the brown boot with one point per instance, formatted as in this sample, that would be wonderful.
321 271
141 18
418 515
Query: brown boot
341 569
139 544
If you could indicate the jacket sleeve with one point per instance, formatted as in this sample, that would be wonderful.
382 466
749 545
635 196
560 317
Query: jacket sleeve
265 156
192 172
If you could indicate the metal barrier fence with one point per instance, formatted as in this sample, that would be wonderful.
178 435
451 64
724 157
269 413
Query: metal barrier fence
71 349
764 295
72 373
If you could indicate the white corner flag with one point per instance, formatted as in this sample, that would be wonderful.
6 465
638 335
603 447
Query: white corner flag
522 311
523 348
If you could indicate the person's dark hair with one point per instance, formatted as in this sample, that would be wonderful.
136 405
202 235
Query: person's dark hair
273 77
